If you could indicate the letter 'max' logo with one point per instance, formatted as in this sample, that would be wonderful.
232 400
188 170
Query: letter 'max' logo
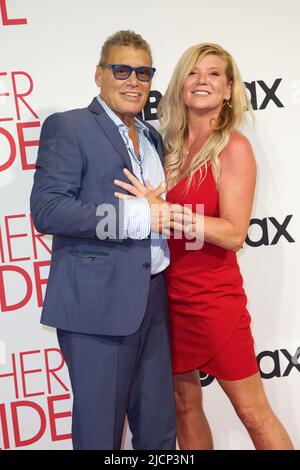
278 363
261 95
263 231
268 92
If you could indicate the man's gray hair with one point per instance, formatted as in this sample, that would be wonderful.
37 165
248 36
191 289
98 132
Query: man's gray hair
124 38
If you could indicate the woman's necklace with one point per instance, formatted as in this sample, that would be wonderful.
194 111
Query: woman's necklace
190 152
186 162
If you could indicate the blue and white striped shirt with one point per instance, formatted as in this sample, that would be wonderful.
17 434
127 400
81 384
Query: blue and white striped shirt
137 223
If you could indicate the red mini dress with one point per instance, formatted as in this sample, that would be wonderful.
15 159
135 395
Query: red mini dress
209 321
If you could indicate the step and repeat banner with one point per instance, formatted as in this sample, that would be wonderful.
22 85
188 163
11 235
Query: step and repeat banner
48 53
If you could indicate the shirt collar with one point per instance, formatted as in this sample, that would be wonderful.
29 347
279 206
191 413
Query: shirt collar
119 123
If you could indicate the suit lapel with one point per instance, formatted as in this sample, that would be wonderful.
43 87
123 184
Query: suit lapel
159 148
111 131
113 134
156 140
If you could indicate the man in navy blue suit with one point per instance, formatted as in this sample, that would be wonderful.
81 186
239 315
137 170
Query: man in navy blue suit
106 293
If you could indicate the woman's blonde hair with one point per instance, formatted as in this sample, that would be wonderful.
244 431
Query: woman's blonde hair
172 114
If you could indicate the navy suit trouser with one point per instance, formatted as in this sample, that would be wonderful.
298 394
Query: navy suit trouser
115 376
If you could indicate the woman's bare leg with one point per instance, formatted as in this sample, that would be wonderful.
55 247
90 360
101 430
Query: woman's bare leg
251 405
193 430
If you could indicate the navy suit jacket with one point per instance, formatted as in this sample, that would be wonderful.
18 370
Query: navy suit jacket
96 286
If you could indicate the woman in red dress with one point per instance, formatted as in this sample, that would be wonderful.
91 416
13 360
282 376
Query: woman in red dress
209 162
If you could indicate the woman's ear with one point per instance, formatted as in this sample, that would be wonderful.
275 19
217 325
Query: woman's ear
229 90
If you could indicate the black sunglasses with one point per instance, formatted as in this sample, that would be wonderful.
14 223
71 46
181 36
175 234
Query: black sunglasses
122 71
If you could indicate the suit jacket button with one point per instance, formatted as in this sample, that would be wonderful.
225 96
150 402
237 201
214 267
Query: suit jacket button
146 265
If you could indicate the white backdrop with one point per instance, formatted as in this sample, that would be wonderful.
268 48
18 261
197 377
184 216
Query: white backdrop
48 52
